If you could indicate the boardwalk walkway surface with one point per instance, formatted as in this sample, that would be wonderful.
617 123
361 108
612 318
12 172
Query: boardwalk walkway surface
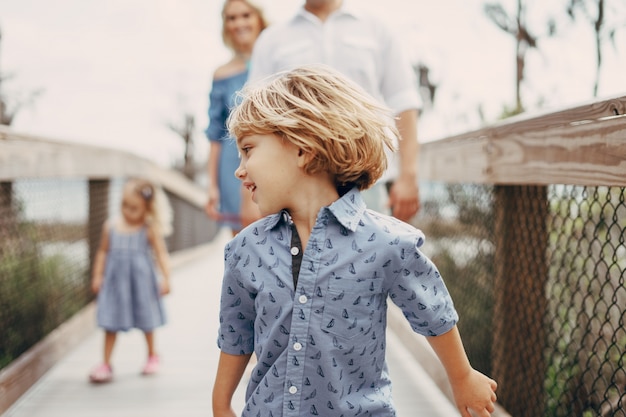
189 361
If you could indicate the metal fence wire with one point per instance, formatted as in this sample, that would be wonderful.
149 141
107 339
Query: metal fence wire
46 245
44 260
537 275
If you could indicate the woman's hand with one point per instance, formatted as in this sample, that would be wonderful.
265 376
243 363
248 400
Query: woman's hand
212 205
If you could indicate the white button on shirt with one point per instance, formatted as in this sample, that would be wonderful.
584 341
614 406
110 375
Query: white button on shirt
354 262
295 251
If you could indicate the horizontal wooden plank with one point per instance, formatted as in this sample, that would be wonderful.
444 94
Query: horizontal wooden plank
459 161
583 145
589 152
24 156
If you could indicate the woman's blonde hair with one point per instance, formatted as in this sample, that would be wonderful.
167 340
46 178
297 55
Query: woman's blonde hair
159 211
226 38
324 113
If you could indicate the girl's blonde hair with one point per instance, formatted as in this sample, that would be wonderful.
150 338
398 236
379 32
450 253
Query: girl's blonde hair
159 211
324 113
226 38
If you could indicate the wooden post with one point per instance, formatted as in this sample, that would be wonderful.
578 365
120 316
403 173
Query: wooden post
6 196
98 213
520 301
7 213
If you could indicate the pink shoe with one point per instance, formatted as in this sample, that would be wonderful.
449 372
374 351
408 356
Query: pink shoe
101 374
152 366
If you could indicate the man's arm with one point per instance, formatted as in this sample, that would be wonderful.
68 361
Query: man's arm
404 193
230 369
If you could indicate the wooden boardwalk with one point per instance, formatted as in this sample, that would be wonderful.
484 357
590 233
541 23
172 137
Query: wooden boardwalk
189 360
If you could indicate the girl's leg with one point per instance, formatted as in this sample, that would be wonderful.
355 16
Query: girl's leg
152 365
150 343
109 344
104 372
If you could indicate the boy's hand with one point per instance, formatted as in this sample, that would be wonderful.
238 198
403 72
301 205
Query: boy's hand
475 392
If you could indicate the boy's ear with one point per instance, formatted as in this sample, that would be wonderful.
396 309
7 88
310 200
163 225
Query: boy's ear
304 158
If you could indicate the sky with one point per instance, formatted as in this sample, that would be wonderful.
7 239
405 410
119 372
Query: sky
115 73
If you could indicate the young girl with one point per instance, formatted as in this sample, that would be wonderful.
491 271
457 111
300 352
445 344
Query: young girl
125 275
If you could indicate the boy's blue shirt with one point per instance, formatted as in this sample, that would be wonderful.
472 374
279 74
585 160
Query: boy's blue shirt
321 348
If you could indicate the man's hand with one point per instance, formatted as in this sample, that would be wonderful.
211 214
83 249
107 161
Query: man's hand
404 199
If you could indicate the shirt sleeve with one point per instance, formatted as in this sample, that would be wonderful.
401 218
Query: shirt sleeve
218 113
399 86
421 294
237 311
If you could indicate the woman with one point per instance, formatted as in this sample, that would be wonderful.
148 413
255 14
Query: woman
228 202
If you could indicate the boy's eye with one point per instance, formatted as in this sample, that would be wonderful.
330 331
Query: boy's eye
243 151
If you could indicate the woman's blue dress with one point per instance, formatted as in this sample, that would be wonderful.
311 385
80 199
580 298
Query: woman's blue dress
222 99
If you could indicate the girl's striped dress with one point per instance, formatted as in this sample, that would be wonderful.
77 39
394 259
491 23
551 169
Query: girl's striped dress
129 296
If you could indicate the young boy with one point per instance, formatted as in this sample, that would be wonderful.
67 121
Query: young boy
306 287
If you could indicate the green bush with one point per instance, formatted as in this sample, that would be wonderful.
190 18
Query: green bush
37 292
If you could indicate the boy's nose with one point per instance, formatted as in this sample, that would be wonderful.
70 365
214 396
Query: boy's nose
240 172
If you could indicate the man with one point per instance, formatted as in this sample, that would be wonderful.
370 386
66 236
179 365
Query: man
362 48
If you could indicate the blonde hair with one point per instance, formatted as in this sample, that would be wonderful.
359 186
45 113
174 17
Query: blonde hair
158 209
324 113
226 38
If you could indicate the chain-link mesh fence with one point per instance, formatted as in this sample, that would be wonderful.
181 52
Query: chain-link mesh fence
537 274
49 230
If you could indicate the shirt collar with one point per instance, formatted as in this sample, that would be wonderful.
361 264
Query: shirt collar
346 9
348 210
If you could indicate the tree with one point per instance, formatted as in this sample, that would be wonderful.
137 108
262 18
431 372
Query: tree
517 26
596 12
185 131
426 87
9 107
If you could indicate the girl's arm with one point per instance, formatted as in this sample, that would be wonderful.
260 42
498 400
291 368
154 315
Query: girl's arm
99 260
472 390
230 369
162 257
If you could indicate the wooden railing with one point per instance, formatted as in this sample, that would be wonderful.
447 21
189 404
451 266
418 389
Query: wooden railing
520 159
34 322
583 145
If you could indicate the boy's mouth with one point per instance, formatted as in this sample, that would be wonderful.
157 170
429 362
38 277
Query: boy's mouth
249 186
